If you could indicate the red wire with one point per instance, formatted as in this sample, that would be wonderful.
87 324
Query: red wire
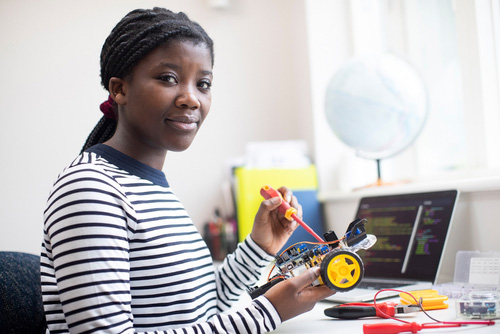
428 324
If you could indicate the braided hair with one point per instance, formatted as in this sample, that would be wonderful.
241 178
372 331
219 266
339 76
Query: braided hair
137 34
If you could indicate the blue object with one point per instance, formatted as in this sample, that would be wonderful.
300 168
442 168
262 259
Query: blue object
312 215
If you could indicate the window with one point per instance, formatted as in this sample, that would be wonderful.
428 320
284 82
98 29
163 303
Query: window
425 34
455 46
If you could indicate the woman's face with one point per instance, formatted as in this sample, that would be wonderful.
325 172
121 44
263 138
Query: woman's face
166 98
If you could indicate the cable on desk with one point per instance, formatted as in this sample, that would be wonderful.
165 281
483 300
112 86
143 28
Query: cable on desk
413 327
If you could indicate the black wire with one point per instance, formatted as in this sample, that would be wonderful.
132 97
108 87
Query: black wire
420 301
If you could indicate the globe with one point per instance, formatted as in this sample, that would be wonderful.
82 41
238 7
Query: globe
376 105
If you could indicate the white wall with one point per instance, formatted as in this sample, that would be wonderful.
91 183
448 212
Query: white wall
50 94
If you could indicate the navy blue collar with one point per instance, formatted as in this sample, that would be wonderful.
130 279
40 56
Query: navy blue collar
129 164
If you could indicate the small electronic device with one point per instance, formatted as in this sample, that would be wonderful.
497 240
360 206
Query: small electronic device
479 305
341 269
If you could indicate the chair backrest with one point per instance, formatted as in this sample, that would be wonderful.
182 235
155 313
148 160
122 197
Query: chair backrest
21 309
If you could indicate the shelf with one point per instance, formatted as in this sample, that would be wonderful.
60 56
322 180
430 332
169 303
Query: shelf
463 185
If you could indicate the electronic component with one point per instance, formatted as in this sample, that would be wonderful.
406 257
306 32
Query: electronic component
341 269
479 305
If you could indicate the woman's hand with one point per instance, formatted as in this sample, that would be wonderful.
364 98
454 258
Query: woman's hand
271 229
296 295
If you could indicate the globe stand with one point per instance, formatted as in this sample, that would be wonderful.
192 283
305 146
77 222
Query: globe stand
379 181
379 175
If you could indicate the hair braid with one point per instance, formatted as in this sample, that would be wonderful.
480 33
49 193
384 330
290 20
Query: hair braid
137 34
103 131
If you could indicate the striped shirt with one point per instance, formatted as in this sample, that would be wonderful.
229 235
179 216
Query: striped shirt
121 255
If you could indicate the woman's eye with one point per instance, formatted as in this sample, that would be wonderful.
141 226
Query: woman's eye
168 78
205 84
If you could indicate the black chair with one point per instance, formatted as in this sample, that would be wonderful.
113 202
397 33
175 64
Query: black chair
21 309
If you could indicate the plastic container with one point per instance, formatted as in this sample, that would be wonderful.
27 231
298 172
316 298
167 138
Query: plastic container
474 272
479 305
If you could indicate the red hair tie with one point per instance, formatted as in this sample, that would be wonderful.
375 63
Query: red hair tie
107 108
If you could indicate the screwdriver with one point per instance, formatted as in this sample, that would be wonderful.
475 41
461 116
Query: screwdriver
414 327
290 213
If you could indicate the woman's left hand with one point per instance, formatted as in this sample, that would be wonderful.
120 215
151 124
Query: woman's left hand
271 229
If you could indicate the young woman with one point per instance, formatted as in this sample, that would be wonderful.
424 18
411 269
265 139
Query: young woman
120 254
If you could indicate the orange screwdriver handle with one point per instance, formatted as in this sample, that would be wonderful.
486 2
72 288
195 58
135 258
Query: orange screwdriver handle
290 212
268 192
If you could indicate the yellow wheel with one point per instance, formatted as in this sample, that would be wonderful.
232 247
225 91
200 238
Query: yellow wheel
342 270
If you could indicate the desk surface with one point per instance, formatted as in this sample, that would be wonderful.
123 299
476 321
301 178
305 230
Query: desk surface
316 322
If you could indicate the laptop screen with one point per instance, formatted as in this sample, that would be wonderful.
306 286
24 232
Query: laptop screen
411 231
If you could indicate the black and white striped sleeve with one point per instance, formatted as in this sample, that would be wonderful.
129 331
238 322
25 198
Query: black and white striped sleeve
259 317
86 244
239 271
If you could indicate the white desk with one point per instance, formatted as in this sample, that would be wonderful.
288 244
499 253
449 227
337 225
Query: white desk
315 322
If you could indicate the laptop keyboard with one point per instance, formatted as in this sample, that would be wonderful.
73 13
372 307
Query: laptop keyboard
381 285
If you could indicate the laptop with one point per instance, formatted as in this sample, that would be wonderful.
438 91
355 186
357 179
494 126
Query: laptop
411 230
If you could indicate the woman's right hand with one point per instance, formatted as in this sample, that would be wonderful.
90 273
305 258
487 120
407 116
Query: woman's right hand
295 295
